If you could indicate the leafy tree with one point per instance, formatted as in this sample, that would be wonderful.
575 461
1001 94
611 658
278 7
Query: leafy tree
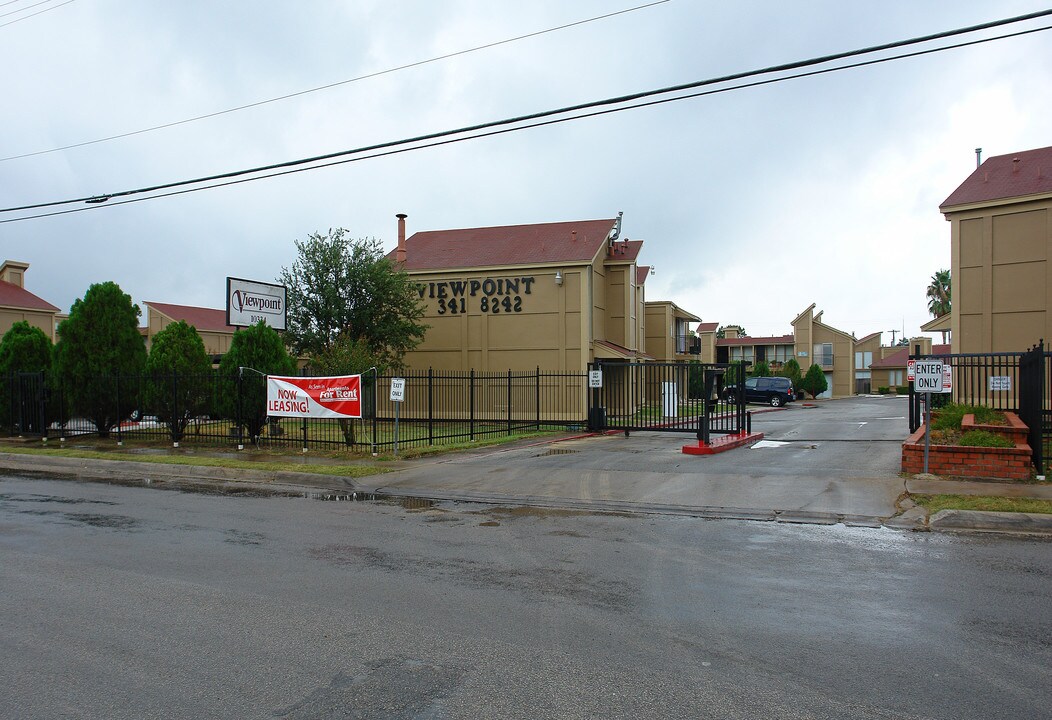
259 350
761 369
346 356
178 377
721 331
23 349
815 381
792 370
100 356
340 287
938 293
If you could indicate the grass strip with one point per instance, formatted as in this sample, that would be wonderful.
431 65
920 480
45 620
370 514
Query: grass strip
206 461
990 503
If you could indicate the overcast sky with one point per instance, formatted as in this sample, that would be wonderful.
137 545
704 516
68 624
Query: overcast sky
752 204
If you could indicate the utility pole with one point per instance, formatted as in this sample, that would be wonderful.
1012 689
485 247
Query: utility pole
893 333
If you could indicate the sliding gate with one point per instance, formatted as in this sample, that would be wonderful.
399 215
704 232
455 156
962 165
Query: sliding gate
666 397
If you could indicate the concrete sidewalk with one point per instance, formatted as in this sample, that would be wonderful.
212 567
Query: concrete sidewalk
601 474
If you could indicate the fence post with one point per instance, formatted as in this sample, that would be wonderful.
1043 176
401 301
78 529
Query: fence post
471 403
120 437
509 401
430 411
305 373
176 420
240 425
538 398
376 390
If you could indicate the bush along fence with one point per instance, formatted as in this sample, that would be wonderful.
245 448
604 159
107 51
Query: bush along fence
1019 382
439 408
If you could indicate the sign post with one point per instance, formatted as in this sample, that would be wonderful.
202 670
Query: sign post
397 397
928 379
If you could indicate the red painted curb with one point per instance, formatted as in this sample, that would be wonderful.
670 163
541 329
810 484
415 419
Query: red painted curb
723 444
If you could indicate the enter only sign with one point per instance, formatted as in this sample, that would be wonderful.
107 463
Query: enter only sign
928 376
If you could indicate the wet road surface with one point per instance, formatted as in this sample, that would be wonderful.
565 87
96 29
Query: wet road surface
125 602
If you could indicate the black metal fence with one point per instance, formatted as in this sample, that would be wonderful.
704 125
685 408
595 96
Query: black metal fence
439 408
668 397
1019 382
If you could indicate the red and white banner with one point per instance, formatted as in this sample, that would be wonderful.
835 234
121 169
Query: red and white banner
314 397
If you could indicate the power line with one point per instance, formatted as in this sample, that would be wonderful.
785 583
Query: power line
21 10
39 12
367 76
533 120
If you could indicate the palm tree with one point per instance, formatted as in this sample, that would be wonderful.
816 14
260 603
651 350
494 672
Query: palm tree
939 293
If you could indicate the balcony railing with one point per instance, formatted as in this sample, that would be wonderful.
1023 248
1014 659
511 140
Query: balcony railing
688 345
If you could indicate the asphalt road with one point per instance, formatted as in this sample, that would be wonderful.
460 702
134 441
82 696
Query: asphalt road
123 602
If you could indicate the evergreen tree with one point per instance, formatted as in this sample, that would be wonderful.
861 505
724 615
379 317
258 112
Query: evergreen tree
815 381
23 349
179 376
761 369
100 356
791 369
254 352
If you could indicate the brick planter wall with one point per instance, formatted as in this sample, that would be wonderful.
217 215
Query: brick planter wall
972 462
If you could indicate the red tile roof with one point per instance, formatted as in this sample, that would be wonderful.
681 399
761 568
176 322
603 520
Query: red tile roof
641 274
13 296
1006 176
898 358
869 337
204 319
775 340
625 251
707 327
567 242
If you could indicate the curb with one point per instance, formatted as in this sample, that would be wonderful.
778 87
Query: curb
992 522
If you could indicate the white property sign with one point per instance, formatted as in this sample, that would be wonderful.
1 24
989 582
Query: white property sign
248 302
1001 383
595 378
397 390
928 376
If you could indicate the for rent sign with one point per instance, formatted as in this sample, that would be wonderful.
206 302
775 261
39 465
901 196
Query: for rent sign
314 397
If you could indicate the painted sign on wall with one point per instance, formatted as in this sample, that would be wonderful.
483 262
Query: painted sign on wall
477 295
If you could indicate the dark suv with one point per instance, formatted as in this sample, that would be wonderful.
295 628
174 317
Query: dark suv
775 391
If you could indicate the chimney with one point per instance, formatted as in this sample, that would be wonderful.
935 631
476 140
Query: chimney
400 252
730 332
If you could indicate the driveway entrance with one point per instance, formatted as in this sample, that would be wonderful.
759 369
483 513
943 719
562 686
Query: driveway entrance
840 457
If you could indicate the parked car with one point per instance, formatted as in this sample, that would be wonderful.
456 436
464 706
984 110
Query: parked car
775 391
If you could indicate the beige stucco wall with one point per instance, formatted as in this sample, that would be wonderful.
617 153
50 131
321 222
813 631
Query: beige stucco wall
43 320
999 262
659 341
808 332
535 324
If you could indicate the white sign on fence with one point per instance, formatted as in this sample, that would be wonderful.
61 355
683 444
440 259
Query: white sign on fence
595 378
1001 383
910 374
928 376
397 389
947 378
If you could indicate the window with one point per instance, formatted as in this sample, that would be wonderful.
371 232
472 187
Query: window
741 352
863 360
824 354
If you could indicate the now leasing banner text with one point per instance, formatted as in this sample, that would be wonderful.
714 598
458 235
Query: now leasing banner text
314 397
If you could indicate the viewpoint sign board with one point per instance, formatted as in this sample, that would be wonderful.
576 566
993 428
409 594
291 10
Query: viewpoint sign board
248 302
314 397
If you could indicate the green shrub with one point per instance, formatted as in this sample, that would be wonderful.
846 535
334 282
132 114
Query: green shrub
984 438
883 390
903 389
950 416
